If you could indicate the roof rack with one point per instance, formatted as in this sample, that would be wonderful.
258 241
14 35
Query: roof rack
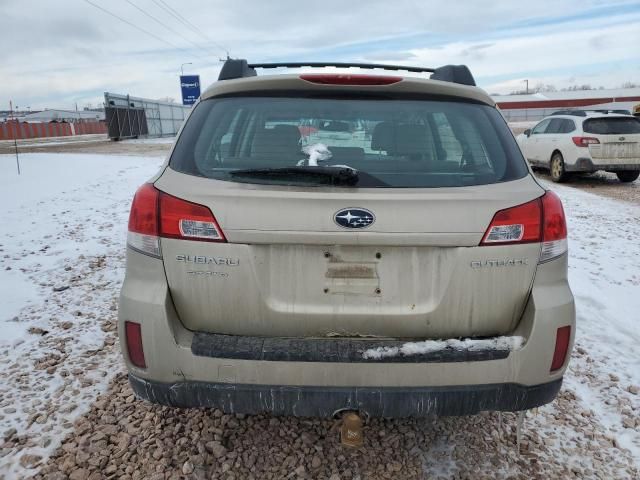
577 113
619 111
240 68
340 65
583 113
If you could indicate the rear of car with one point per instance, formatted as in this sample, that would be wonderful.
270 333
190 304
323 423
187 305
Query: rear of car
613 143
583 141
319 243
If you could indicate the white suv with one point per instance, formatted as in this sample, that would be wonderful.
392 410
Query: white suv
584 141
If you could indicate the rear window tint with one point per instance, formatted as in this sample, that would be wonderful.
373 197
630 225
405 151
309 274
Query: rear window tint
612 126
391 143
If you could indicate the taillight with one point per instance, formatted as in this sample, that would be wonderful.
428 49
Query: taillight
563 336
520 224
554 228
349 79
155 214
143 221
133 334
188 221
540 220
584 141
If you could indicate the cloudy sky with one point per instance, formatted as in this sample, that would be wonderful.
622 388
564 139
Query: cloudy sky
59 53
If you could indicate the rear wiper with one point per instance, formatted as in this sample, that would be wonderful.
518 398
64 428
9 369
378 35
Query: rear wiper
331 175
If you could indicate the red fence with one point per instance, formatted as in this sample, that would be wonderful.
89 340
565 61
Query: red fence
19 130
565 103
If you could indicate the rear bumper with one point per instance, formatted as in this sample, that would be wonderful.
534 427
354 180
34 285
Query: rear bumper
322 401
587 165
246 374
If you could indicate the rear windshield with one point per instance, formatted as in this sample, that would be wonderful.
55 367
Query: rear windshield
389 143
612 126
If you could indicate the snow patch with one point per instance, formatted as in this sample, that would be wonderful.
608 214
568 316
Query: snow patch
429 346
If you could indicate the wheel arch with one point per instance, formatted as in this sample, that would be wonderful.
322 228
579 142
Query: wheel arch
556 150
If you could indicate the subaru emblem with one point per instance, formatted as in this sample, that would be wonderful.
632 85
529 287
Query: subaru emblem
354 218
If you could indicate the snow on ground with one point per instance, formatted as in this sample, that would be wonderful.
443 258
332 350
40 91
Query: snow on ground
523 124
519 127
604 274
43 141
46 142
62 234
62 244
55 141
152 141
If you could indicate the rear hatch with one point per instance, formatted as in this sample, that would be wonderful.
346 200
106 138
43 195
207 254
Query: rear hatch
618 140
375 236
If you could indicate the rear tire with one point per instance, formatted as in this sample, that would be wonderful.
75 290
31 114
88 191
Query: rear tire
628 175
556 168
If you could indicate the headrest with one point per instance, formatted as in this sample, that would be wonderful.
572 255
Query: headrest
411 139
401 139
279 140
382 136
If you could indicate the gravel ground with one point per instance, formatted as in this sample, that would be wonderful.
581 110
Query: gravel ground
123 437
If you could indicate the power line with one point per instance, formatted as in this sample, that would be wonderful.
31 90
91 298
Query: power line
136 27
165 25
184 20
175 14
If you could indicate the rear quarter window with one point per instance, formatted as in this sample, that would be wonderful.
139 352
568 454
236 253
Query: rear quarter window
568 126
390 142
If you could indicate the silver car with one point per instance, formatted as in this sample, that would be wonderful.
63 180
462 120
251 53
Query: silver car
415 268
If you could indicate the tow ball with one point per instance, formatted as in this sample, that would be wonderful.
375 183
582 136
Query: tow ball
351 430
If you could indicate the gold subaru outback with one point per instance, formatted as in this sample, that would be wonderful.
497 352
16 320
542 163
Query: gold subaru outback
322 242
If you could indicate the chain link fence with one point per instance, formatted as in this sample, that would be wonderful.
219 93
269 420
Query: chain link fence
162 118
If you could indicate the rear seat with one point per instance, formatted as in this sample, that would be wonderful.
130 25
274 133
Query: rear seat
404 139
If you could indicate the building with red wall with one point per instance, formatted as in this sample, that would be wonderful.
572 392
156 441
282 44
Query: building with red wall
533 107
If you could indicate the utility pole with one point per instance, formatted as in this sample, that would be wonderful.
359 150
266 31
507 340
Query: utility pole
527 82
15 135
